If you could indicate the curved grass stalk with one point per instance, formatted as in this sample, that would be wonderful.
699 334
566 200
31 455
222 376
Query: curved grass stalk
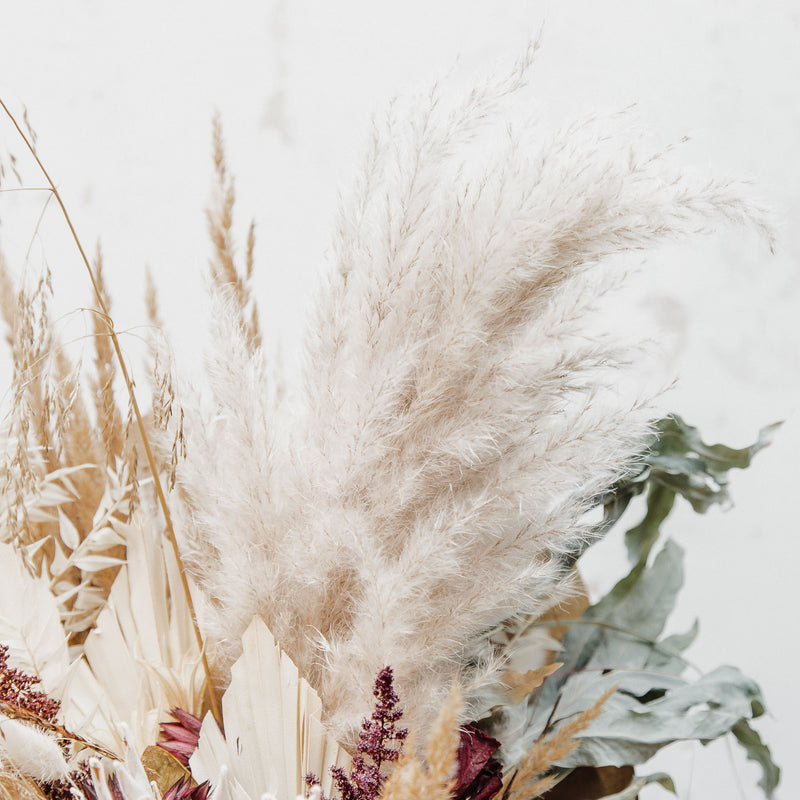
213 700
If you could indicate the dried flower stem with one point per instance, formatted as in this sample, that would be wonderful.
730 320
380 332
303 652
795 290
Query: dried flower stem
13 711
213 701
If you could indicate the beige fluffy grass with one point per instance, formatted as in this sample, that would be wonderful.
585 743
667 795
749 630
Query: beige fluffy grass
456 415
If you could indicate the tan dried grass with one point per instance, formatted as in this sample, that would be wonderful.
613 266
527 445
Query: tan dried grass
28 138
109 419
14 786
530 779
225 274
433 776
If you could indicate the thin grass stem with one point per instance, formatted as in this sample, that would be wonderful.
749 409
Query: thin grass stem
213 701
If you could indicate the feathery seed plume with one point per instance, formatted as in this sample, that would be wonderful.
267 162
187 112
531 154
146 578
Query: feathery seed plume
457 413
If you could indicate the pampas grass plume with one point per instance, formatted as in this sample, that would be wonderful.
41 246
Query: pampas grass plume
457 413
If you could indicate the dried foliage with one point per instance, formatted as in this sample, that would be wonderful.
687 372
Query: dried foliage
419 498
530 778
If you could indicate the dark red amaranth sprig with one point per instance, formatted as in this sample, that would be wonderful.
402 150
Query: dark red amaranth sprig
17 689
379 742
180 738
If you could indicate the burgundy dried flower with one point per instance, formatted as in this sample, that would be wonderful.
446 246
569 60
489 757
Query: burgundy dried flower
479 776
374 748
180 738
83 780
57 790
183 790
17 689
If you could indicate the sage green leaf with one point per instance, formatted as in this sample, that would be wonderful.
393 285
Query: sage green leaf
677 461
640 539
680 460
629 731
757 751
618 633
635 611
582 690
667 656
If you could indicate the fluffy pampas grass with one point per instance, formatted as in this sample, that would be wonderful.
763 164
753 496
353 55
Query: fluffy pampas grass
431 474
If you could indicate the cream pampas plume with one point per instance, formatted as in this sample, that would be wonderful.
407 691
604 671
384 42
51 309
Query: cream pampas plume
457 414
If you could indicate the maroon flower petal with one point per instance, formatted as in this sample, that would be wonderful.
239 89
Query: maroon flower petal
180 738
183 790
479 776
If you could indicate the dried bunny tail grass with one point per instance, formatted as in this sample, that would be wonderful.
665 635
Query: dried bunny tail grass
529 779
224 272
31 750
434 776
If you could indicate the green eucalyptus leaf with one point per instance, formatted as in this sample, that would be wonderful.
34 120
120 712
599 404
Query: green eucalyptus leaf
681 461
640 539
757 751
634 612
629 731
583 689
616 642
667 657
678 461
619 633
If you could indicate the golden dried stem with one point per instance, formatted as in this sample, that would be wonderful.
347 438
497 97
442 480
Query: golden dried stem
213 701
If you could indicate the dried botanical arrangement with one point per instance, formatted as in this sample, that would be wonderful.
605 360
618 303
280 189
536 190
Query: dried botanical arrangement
364 586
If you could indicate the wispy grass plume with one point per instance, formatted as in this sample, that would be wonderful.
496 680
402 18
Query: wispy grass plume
431 474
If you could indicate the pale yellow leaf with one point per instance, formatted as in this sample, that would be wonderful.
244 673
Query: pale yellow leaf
521 684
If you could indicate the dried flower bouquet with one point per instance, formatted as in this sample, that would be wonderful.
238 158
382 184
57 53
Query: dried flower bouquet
403 523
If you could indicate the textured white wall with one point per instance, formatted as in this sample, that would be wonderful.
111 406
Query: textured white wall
122 96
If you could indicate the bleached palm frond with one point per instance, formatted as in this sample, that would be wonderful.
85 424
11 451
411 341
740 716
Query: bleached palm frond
29 621
31 629
273 735
142 650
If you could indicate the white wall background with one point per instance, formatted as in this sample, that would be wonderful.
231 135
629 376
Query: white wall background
122 96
